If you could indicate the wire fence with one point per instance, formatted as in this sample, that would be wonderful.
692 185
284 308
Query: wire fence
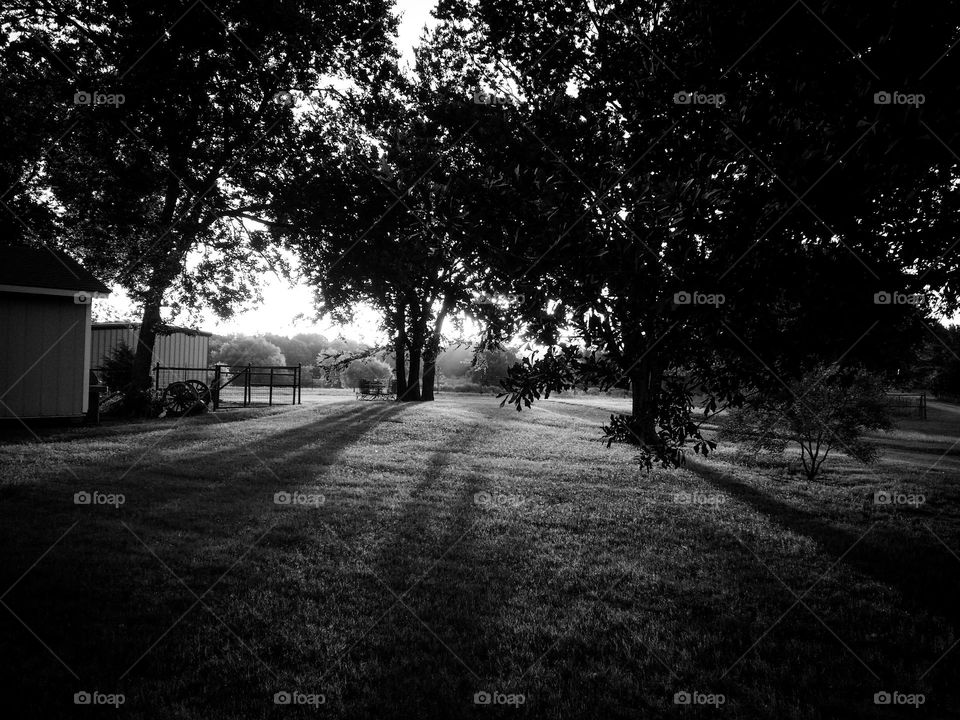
242 386
908 404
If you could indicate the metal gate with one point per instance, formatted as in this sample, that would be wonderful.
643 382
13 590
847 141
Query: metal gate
242 386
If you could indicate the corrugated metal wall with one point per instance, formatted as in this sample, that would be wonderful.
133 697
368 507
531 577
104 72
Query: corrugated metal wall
42 355
175 350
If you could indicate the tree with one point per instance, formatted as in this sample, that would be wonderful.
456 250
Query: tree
242 351
827 409
180 132
397 238
698 218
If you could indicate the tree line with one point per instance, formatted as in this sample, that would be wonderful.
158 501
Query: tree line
459 366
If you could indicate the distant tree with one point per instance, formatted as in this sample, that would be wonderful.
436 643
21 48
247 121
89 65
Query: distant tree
399 239
243 350
827 409
367 369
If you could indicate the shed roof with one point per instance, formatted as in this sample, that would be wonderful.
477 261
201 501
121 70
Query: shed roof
44 267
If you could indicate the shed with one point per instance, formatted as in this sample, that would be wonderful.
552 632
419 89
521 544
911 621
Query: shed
179 347
45 318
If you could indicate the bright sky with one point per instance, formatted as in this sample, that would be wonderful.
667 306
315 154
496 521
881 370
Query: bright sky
288 310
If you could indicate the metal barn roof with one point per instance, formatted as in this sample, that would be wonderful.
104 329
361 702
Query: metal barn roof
163 328
44 267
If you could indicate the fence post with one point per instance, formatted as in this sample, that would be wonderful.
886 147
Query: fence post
298 390
156 381
923 406
216 387
271 387
247 388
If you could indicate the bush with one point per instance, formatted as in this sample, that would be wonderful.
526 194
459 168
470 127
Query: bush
366 369
117 371
828 408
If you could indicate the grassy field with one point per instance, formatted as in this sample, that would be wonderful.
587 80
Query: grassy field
433 552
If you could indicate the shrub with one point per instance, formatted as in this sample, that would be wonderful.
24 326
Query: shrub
828 408
118 368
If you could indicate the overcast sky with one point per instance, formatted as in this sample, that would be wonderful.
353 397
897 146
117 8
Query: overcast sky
289 310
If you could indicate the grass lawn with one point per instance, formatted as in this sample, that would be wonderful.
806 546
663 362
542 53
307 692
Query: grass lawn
454 548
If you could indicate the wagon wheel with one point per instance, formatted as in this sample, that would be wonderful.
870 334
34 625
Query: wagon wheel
180 398
203 391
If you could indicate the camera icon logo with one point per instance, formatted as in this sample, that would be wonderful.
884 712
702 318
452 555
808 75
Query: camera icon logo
82 98
882 497
282 698
282 498
882 698
82 698
682 298
284 98
82 498
682 98
882 298
482 498
882 98
682 698
82 298
482 698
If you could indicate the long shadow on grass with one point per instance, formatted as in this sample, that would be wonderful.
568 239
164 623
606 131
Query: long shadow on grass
925 575
100 598
450 579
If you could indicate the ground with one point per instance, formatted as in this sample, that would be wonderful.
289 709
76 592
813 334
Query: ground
436 551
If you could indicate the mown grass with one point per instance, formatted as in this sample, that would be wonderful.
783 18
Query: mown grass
462 548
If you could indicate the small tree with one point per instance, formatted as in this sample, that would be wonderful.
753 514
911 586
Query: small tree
118 368
828 408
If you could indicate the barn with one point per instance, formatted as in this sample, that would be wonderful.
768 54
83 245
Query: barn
45 319
178 347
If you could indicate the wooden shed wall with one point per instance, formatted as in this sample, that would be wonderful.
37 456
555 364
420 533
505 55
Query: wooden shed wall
43 356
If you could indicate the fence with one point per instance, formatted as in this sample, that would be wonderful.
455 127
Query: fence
908 404
240 386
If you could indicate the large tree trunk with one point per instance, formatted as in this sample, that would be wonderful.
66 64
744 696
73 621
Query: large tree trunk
645 381
430 352
142 379
413 377
400 350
